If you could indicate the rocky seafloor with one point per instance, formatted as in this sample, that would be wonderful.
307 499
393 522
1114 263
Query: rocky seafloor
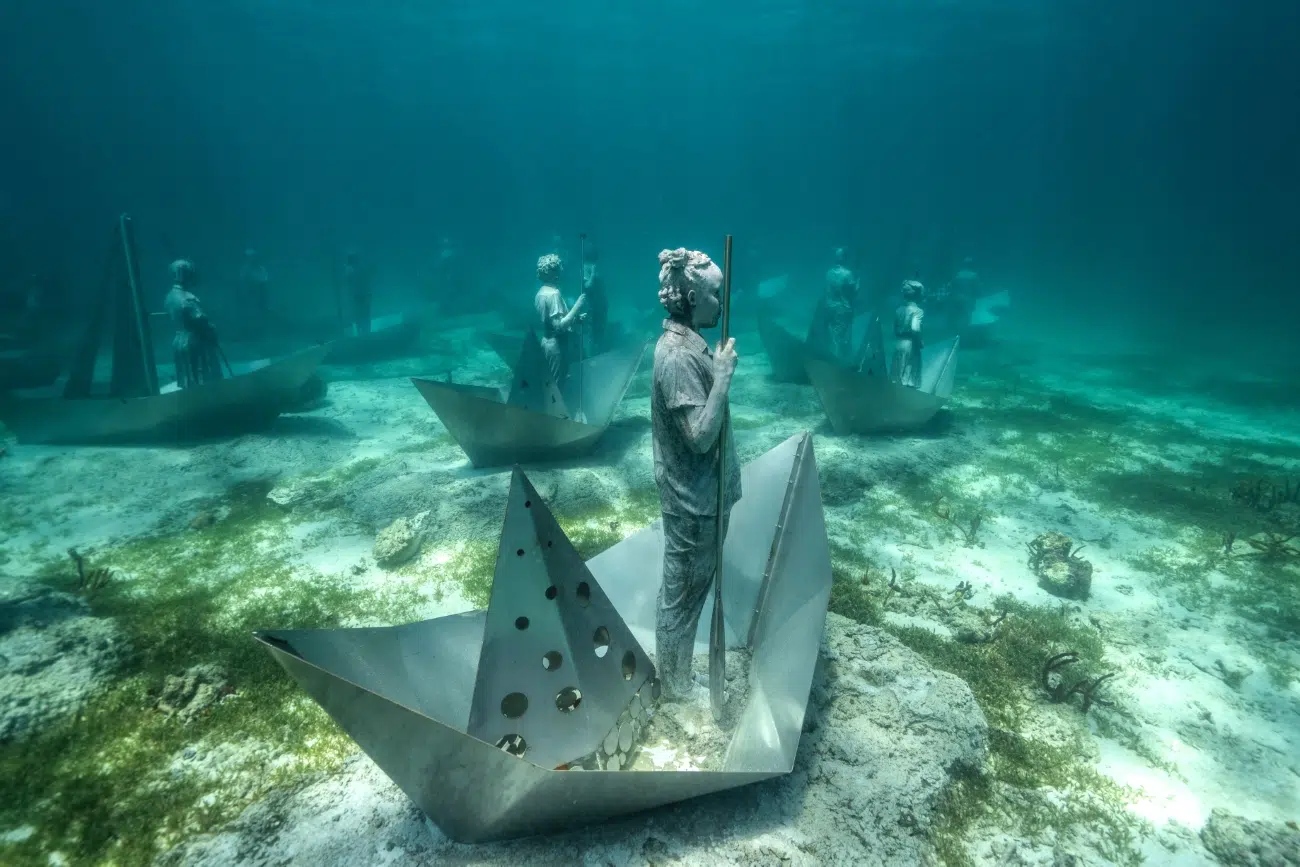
139 721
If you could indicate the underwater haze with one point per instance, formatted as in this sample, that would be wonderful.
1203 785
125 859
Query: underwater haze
1015 287
1106 156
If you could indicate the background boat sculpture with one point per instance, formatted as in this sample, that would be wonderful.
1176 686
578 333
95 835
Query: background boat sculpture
131 407
862 399
487 746
792 330
530 419
388 337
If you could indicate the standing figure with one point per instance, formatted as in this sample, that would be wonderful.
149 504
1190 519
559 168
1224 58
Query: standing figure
837 307
964 288
559 337
198 357
907 330
446 269
593 289
256 283
356 280
688 409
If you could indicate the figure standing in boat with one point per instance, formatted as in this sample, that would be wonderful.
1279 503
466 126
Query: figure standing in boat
688 411
559 322
907 332
197 353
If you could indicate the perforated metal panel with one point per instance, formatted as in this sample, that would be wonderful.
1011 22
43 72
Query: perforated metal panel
558 664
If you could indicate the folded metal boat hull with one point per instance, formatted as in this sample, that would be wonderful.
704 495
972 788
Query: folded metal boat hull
865 401
495 430
407 694
390 337
239 403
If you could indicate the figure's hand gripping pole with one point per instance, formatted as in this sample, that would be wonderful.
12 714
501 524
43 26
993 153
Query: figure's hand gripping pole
717 629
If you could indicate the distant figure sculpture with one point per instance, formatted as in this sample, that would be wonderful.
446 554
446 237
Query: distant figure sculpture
593 289
907 331
198 357
356 280
446 268
838 305
961 292
688 406
558 321
255 281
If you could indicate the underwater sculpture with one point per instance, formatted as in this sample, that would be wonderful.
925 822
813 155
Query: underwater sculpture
561 338
778 314
908 341
485 718
864 398
131 407
692 444
532 418
194 346
367 340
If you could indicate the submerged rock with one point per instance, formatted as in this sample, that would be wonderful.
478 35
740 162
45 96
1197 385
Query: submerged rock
191 694
1059 571
399 541
885 736
1239 842
53 656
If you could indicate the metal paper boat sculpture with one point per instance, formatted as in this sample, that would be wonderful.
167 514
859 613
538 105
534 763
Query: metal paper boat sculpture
530 419
483 718
786 352
130 407
388 337
861 399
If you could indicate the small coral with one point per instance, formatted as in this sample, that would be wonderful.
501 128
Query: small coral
1058 566
399 541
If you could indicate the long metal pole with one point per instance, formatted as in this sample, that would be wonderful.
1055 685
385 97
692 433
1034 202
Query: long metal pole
582 325
717 629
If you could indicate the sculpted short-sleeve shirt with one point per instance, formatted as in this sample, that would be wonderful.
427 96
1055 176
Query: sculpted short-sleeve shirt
550 309
683 377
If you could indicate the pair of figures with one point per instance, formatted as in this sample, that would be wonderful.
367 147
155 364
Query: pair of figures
194 346
838 308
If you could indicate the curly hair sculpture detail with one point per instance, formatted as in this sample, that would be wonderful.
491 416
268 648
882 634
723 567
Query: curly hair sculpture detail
680 271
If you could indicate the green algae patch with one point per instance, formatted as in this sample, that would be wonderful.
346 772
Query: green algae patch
1036 782
597 529
110 785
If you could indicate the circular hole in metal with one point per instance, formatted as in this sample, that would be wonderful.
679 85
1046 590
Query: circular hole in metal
514 705
519 552
551 661
549 543
584 593
528 504
601 640
521 623
513 744
552 592
568 699
629 665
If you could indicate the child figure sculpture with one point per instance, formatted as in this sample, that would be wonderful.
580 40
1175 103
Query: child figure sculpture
688 407
198 358
907 330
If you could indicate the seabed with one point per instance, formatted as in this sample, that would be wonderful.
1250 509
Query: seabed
139 721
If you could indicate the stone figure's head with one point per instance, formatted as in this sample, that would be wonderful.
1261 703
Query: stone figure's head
352 257
688 287
968 262
840 255
549 268
913 290
250 253
184 273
